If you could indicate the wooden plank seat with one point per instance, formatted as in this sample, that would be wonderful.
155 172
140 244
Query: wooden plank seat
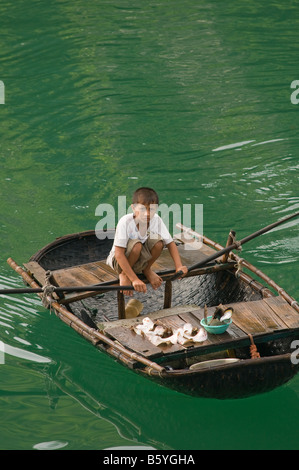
83 275
257 318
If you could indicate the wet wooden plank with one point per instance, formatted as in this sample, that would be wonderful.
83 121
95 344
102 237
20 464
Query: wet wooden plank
245 318
282 310
271 314
128 338
265 314
73 277
259 318
172 321
100 269
143 346
131 340
128 322
37 271
255 317
83 275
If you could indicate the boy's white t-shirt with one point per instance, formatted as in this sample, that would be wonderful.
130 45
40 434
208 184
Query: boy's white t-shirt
127 229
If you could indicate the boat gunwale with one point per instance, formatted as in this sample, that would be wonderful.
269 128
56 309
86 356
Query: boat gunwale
241 363
37 256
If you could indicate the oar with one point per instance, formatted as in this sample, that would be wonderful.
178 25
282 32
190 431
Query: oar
103 286
30 290
236 245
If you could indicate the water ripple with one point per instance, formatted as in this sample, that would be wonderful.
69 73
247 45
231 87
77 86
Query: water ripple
23 354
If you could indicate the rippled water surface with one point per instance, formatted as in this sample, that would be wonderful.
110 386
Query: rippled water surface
192 98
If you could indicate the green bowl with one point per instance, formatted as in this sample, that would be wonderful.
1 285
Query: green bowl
215 329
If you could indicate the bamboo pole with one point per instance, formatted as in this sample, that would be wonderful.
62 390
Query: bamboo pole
108 286
257 286
238 244
247 265
229 242
80 326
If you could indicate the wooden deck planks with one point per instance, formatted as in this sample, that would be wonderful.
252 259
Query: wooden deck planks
128 338
283 311
37 271
255 318
91 273
83 275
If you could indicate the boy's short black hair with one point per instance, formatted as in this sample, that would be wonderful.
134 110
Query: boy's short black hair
145 195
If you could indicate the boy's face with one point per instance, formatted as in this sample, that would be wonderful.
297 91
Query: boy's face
144 212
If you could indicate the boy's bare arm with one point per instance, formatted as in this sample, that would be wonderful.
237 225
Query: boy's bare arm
174 253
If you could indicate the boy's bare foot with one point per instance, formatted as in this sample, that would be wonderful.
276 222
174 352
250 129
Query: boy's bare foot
125 281
153 278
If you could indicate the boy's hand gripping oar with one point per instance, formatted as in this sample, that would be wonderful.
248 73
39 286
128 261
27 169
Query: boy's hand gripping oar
235 245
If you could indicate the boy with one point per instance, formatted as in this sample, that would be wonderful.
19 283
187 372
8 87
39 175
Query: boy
139 241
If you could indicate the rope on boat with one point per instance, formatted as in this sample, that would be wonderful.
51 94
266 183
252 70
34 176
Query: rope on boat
253 349
48 290
153 371
239 267
235 241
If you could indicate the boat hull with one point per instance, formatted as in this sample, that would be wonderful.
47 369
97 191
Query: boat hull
241 379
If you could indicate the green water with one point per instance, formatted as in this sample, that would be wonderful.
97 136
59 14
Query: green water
192 98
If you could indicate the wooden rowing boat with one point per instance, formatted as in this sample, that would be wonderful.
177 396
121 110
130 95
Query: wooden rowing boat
254 355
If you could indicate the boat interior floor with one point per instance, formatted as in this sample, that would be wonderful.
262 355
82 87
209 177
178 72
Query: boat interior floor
262 319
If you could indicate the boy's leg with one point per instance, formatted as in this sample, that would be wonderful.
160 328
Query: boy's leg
155 251
132 253
141 258
155 246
